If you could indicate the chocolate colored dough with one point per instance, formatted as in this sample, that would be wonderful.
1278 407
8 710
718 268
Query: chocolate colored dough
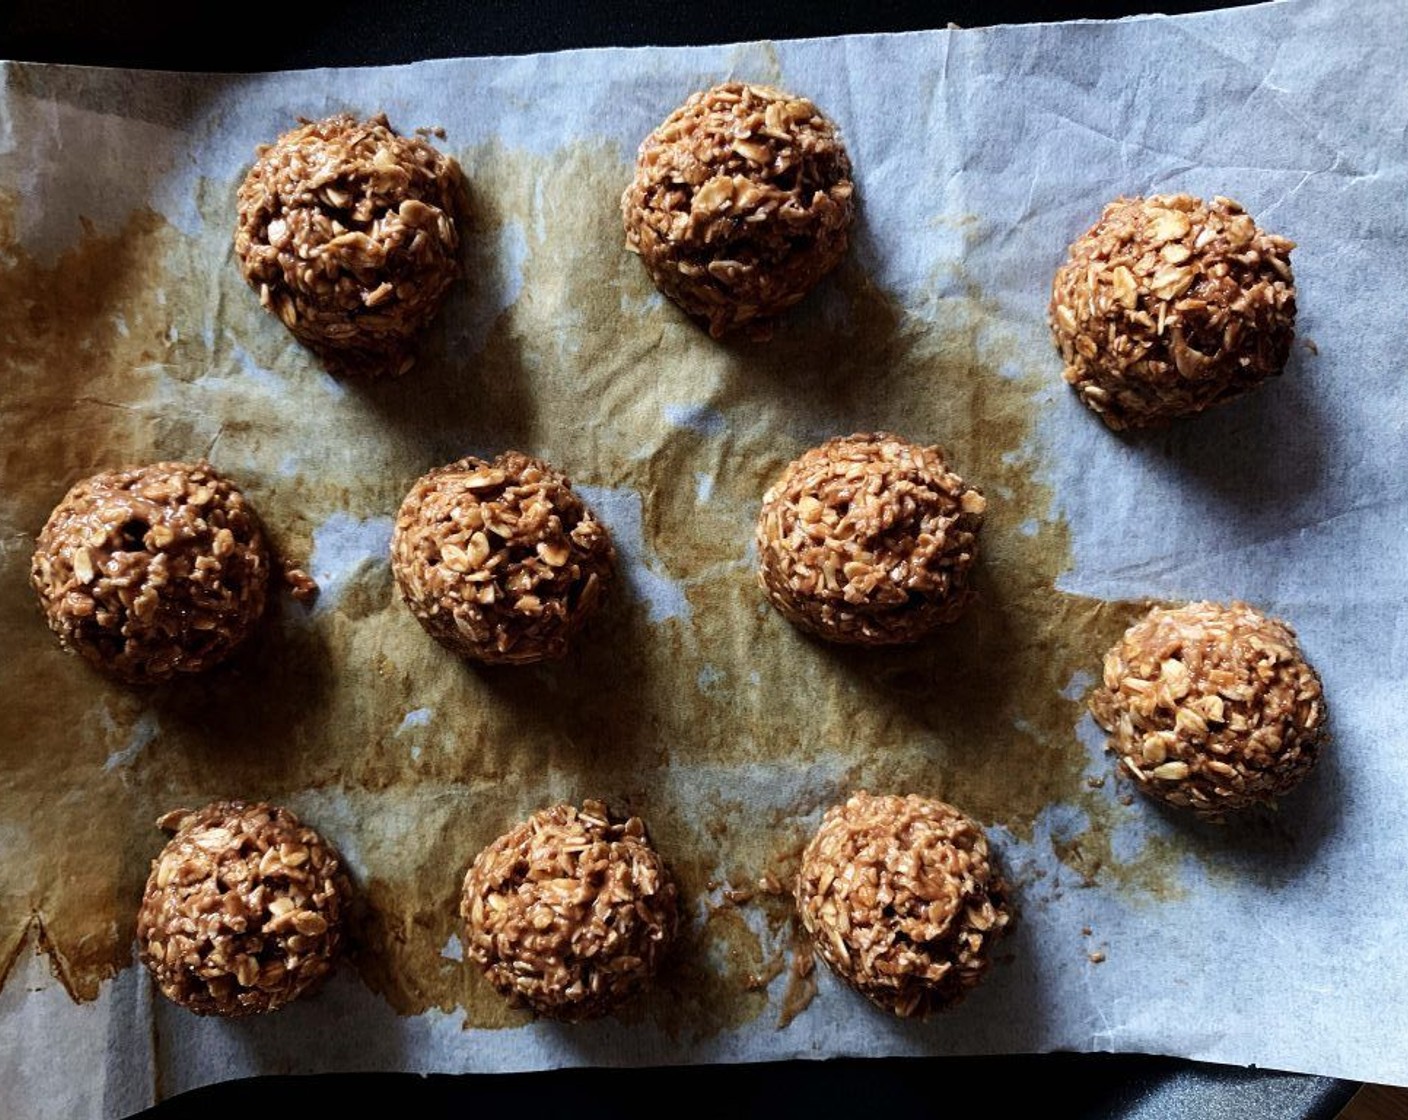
500 561
742 201
350 235
243 910
1168 305
150 572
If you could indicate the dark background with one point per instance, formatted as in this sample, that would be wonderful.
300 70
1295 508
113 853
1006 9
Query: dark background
161 34
165 35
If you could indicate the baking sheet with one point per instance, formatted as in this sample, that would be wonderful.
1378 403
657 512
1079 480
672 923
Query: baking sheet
129 336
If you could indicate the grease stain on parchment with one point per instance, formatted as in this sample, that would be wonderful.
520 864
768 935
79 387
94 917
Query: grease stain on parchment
138 345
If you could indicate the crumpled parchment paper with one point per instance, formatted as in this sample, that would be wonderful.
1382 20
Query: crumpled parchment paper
126 335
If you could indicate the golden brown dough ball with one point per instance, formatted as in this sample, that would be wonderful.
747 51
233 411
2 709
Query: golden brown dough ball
149 572
243 910
1168 305
741 202
349 233
1211 707
500 561
869 540
902 900
570 913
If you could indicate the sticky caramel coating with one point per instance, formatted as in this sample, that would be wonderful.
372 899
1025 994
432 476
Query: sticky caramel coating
150 572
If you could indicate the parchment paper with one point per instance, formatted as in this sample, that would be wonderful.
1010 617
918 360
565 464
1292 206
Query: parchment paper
126 335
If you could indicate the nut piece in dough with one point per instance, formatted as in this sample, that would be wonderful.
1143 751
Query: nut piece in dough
349 234
243 909
152 571
570 913
869 540
1168 305
902 900
1212 708
500 561
741 202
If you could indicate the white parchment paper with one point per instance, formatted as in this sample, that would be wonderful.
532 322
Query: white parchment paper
1295 499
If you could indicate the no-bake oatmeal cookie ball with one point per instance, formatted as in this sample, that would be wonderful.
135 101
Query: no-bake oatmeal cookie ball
243 910
1168 305
152 571
349 233
570 912
500 561
869 540
902 901
1211 707
742 201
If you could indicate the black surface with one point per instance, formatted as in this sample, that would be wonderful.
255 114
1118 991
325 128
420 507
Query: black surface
161 34
164 35
1060 1086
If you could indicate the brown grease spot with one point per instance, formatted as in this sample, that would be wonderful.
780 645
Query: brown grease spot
139 345
1151 876
75 840
705 989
